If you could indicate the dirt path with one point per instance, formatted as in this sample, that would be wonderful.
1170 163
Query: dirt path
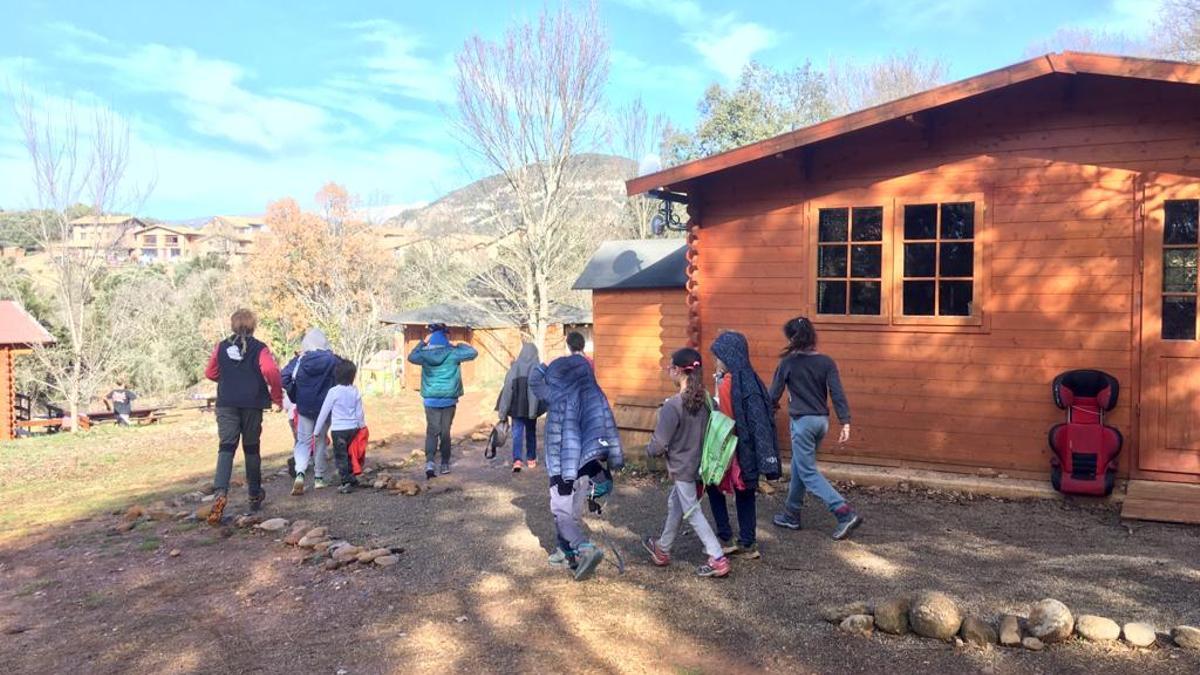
472 592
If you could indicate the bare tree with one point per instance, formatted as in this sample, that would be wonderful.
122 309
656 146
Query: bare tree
854 86
527 106
1177 30
78 162
1090 40
638 135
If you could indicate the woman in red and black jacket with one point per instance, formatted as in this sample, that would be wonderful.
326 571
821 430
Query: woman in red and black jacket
247 383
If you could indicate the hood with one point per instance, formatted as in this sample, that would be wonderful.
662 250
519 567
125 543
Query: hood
314 340
569 372
317 363
438 339
733 350
526 361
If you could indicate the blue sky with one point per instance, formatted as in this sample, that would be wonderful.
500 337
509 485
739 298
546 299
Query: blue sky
233 104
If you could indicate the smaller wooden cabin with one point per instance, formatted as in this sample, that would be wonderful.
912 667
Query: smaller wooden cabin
639 315
18 332
497 339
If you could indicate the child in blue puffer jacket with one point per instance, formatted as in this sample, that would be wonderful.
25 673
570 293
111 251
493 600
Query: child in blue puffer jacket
582 449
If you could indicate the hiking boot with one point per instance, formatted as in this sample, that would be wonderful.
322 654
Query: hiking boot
429 470
445 469
728 547
589 558
318 483
256 501
715 567
298 485
659 557
558 559
218 509
517 466
847 520
748 552
787 519
346 488
531 464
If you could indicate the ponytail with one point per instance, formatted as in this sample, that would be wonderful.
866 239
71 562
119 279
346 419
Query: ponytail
801 336
687 361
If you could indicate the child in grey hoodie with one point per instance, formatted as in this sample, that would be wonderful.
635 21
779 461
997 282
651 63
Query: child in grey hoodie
679 435
343 410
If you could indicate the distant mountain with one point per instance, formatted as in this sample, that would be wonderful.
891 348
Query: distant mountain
472 209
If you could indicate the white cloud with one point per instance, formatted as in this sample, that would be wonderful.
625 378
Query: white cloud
1134 18
396 65
911 15
725 42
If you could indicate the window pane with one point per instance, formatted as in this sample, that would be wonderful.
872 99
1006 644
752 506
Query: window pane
918 298
918 260
864 297
958 221
954 298
920 221
833 225
866 261
831 297
958 260
831 261
1179 318
1179 270
868 224
1180 218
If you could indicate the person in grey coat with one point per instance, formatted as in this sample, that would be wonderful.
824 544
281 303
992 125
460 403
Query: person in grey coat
518 403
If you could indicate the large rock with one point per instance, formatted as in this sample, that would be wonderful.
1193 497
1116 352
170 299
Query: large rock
1033 644
838 613
405 487
347 554
1051 621
935 615
1139 634
273 525
387 560
1097 628
1187 637
1010 631
976 631
370 556
858 624
159 511
134 512
311 542
891 615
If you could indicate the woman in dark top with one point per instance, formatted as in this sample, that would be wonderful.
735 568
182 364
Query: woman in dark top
811 379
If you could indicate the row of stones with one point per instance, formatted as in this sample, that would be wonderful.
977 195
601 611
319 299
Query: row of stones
334 553
936 615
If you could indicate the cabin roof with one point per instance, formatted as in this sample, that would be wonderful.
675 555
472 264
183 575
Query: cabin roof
635 263
18 328
460 315
1064 64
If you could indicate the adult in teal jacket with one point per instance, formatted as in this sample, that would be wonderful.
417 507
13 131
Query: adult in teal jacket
441 387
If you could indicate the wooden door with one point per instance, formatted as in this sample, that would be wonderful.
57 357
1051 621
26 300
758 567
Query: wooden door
1169 437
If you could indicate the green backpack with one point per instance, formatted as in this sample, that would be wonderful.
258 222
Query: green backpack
719 445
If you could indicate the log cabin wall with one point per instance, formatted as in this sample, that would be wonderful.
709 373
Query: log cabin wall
635 333
1052 166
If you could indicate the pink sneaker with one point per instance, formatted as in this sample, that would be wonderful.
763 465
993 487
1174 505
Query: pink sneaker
657 556
716 567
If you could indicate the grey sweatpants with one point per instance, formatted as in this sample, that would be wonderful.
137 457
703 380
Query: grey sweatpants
568 514
682 500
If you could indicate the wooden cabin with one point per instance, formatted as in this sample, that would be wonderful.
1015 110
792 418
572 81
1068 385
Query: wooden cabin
959 248
497 339
18 332
639 315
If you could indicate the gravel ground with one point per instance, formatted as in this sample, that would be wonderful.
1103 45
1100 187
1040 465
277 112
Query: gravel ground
472 592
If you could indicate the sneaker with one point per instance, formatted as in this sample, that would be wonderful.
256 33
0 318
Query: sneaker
517 466
531 464
787 519
346 488
846 522
256 501
298 485
558 559
750 552
715 567
218 509
429 470
318 483
445 469
589 558
659 557
728 547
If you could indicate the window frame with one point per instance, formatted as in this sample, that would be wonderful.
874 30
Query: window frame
979 290
812 217
1163 293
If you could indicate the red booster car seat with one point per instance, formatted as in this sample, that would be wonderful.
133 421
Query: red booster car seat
1085 448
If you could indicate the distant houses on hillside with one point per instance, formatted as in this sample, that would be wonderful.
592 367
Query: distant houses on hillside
130 240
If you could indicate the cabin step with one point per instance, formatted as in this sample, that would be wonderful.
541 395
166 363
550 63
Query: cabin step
1162 501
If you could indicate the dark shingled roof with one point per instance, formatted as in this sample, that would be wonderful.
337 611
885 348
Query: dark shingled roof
635 263
468 316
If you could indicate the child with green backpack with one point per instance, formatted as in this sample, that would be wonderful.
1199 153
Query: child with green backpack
683 422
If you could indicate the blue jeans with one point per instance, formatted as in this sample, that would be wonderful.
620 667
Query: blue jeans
807 433
747 514
524 432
